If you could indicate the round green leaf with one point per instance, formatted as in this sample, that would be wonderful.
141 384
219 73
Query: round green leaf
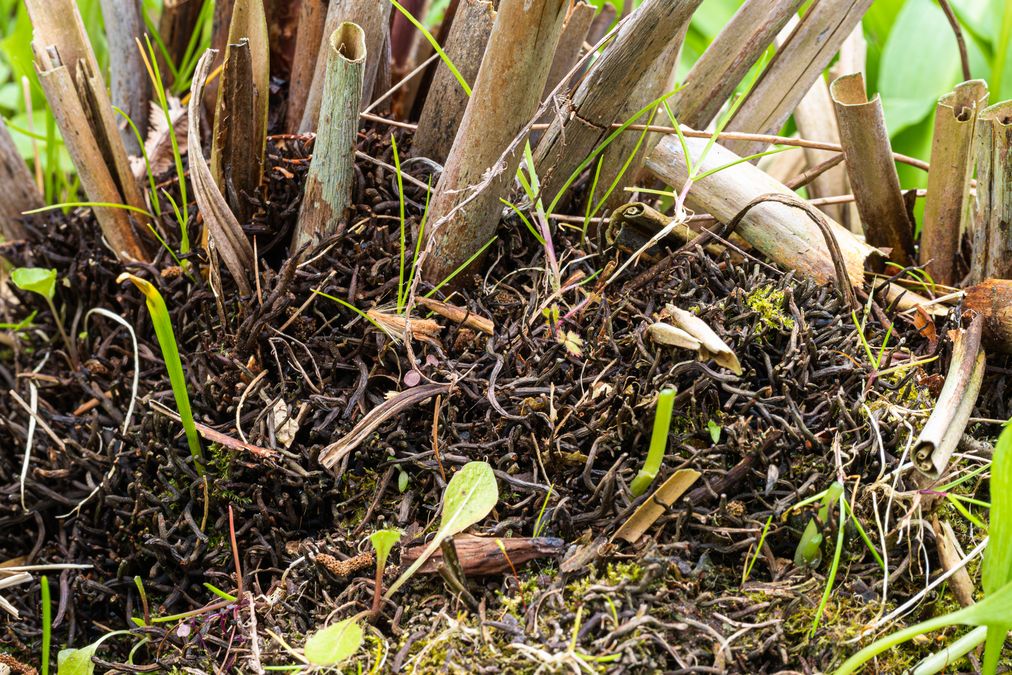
35 280
471 495
333 644
76 661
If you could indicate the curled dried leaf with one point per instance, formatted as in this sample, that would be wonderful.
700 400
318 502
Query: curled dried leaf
711 346
666 334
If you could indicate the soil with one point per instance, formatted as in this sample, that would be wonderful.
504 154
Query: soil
562 411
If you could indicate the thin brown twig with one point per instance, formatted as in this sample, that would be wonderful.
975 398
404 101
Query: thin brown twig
235 552
964 59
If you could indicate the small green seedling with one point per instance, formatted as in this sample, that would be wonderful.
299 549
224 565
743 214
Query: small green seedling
43 282
336 643
470 495
658 443
170 352
809 551
383 542
47 624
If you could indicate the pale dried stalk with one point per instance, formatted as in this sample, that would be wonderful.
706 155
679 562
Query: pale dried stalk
390 408
784 234
332 169
458 314
992 299
725 62
373 17
941 433
20 192
505 97
654 507
574 34
98 177
599 98
947 207
815 118
312 17
657 81
224 234
871 169
131 88
790 75
991 237
446 100
236 170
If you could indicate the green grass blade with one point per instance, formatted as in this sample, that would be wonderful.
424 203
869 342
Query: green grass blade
47 624
173 365
462 267
435 45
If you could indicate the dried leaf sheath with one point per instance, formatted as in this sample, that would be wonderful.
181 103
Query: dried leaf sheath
947 207
803 57
79 101
871 168
991 235
505 97
239 138
236 168
97 180
446 101
223 230
332 170
725 62
312 16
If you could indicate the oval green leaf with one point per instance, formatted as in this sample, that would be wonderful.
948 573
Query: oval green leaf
76 661
35 280
333 644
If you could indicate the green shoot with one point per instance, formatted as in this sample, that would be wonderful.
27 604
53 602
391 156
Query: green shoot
220 593
809 551
147 162
402 290
383 542
658 443
418 241
348 305
155 76
997 570
102 205
758 550
590 199
540 524
864 535
435 45
463 266
833 568
47 624
170 353
525 220
43 282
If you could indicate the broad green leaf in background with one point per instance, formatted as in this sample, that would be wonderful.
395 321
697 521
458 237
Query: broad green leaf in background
470 495
36 280
913 75
76 661
333 644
